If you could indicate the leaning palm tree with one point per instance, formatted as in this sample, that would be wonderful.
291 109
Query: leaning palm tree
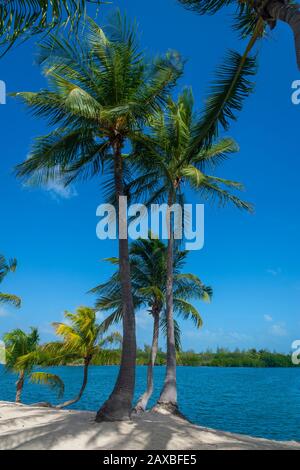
7 266
22 19
179 148
253 17
148 270
101 93
82 339
18 345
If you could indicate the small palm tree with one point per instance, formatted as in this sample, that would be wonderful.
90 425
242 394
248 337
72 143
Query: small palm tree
5 268
101 93
179 148
254 16
18 346
149 276
83 338
21 19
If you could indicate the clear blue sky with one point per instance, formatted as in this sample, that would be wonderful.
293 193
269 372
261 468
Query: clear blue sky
252 261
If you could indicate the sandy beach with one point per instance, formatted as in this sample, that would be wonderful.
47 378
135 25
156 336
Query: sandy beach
28 427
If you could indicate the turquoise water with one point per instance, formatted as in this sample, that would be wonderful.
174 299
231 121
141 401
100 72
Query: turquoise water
259 402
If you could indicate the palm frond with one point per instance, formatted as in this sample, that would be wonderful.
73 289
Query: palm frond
205 6
187 311
21 19
217 153
227 93
18 344
195 177
245 19
52 381
7 266
189 286
115 317
113 338
212 191
177 331
10 299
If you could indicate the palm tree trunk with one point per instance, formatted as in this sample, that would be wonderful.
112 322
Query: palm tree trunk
144 399
87 361
290 14
20 383
168 397
119 405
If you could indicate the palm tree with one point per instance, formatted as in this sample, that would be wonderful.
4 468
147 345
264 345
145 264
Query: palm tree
174 149
148 271
7 266
18 345
254 16
22 19
82 339
101 92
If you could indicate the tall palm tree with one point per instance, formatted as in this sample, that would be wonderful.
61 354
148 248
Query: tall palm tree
22 19
7 266
101 92
254 16
177 156
148 270
82 339
18 345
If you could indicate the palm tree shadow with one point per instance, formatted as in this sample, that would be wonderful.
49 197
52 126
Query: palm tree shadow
48 429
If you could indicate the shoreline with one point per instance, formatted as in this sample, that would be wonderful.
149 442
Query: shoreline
30 427
157 366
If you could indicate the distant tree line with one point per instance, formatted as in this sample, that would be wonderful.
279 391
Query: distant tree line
220 358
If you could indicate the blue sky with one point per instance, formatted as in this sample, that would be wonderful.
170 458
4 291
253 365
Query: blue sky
251 261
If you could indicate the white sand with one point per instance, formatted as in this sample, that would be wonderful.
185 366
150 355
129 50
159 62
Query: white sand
25 427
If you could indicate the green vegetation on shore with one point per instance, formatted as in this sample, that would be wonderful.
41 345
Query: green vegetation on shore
220 358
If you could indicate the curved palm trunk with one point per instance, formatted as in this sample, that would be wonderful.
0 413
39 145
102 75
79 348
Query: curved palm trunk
144 399
119 405
87 361
290 14
168 397
20 384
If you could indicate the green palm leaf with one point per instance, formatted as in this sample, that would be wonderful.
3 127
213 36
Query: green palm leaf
113 338
188 311
11 299
18 344
7 266
227 93
217 153
177 331
21 19
50 380
245 17
206 6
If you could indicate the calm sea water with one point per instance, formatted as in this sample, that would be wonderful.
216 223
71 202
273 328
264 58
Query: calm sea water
259 402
